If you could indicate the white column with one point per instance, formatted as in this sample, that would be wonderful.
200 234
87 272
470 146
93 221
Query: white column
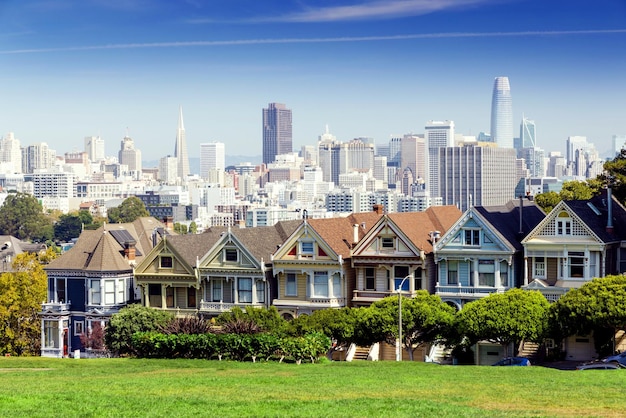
475 264
497 280
525 271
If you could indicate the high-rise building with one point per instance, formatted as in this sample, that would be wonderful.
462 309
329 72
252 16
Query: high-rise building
129 155
438 134
619 143
37 157
212 157
477 176
11 154
413 156
502 113
527 133
180 150
336 158
168 169
94 147
277 131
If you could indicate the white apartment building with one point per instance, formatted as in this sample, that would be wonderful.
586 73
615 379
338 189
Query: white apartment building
212 158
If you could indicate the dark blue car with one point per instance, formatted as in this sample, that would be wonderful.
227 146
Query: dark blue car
513 361
618 358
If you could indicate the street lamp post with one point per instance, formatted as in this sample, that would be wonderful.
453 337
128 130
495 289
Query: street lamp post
399 343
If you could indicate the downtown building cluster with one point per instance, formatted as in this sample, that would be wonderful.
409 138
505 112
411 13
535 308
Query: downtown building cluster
407 173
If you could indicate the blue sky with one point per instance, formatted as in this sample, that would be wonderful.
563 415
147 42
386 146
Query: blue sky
75 68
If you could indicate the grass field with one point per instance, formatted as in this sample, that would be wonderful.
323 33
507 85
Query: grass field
33 387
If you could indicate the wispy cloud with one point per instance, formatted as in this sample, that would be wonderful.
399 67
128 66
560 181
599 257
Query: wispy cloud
270 41
381 9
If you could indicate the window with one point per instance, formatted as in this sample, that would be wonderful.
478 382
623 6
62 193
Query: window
453 272
60 291
370 278
260 291
230 254
336 285
244 290
387 243
472 237
109 292
216 290
563 224
290 285
400 273
576 261
191 297
486 273
306 248
540 267
94 287
504 273
166 262
79 327
320 284
51 334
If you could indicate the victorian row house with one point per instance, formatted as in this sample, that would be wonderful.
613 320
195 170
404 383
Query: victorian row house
308 264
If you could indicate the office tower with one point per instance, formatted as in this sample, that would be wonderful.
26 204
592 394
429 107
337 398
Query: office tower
556 165
337 158
212 158
168 169
527 133
94 147
11 154
438 134
413 154
502 113
477 176
277 135
180 150
395 152
37 157
129 156
534 158
380 168
619 143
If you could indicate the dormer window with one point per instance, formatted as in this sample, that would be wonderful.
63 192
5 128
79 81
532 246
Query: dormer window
230 254
306 248
472 237
166 262
563 224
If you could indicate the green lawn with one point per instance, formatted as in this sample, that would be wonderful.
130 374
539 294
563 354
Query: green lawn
32 387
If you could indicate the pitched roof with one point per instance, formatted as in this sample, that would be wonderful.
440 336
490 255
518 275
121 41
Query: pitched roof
594 213
263 241
101 250
192 247
418 225
505 219
338 233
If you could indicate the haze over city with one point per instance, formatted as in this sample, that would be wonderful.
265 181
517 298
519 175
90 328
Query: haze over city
366 68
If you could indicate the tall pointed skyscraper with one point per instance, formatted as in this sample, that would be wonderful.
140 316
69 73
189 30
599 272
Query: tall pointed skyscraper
502 113
180 151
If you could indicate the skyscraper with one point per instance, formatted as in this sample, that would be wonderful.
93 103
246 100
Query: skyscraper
502 113
528 133
212 157
277 131
94 147
180 151
438 134
130 156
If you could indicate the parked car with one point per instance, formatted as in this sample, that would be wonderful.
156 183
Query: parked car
617 358
600 365
513 361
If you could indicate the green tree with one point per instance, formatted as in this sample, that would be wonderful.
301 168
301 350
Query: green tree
193 227
128 211
129 320
180 229
597 305
615 175
505 318
22 216
21 293
264 319
576 190
548 200
425 319
337 324
69 226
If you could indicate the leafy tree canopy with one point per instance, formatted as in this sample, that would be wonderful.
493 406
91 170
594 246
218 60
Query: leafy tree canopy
128 211
571 190
615 174
505 318
22 216
21 294
600 303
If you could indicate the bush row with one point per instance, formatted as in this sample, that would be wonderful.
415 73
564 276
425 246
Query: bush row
240 347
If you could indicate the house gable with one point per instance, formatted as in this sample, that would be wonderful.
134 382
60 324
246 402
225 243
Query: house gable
473 232
385 238
229 253
164 259
305 244
562 224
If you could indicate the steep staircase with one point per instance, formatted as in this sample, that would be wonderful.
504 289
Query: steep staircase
361 353
530 350
440 354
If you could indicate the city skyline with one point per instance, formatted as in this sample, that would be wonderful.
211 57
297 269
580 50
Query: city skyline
367 69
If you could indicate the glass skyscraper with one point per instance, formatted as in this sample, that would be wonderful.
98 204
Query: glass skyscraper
277 135
502 113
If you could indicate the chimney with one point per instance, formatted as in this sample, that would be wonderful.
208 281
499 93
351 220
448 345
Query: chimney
609 221
355 233
129 250
378 208
169 223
